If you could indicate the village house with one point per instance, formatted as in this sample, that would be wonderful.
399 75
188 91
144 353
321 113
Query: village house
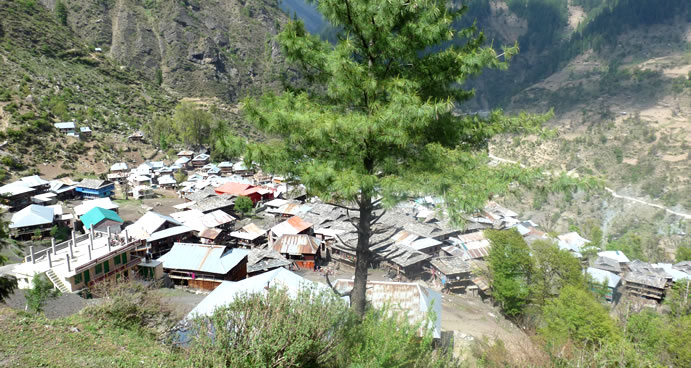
185 154
16 196
409 301
68 128
453 273
425 245
142 192
79 263
94 188
118 172
30 220
226 167
45 199
167 182
474 245
102 220
182 162
149 224
288 209
607 279
35 182
204 266
645 281
301 249
249 236
212 226
572 242
200 160
213 203
162 241
62 189
264 260
292 226
239 168
84 132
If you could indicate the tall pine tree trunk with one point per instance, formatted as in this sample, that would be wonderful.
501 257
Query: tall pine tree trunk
358 296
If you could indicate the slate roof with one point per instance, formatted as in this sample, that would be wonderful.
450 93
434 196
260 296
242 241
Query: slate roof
93 183
96 215
264 259
214 259
32 215
451 265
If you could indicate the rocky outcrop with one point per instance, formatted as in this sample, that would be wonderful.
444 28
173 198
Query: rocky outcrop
210 48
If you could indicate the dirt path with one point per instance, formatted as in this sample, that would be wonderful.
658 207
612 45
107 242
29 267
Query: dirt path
613 193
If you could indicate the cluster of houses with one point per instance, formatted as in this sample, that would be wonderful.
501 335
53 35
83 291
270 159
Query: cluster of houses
206 245
69 128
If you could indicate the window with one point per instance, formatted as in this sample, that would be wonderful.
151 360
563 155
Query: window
78 278
106 266
87 277
123 258
99 268
117 260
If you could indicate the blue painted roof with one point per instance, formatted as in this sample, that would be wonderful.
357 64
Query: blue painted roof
203 258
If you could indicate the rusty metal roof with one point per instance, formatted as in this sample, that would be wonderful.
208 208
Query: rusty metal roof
297 244
249 232
293 225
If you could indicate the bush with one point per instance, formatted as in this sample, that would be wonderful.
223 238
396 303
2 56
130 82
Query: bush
243 204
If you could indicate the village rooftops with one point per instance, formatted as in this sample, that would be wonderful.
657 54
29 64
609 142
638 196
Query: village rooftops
119 166
616 255
201 157
249 232
98 214
228 291
68 125
85 129
99 202
150 223
182 161
215 259
32 215
602 276
264 260
33 181
213 203
293 225
411 300
296 245
14 189
225 164
93 183
451 265
166 233
184 153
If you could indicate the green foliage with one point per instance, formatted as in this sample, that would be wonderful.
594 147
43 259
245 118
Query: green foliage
576 316
61 12
683 254
311 329
510 267
661 339
131 305
243 204
192 124
180 177
41 290
159 77
7 283
554 269
60 233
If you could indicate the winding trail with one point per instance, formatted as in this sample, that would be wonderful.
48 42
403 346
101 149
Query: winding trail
612 192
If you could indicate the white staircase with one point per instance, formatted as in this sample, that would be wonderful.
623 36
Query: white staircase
57 281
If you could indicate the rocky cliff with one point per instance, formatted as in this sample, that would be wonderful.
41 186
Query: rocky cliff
210 48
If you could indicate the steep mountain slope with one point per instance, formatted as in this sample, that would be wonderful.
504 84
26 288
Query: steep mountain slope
46 75
210 48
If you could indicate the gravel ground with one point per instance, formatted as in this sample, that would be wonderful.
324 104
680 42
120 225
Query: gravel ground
62 306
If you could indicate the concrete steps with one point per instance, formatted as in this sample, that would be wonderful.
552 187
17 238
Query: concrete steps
57 281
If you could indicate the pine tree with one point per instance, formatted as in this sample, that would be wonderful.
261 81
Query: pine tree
378 121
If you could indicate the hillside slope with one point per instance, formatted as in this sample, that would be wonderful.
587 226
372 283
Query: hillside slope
210 48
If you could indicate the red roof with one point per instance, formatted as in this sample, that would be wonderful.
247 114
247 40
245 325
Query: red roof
236 189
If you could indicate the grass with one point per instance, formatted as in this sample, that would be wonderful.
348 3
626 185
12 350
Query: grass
77 341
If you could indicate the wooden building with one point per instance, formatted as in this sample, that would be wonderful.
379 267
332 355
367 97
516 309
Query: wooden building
204 266
301 249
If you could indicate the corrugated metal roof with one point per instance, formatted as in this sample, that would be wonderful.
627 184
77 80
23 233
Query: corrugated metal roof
33 181
98 214
616 255
293 225
226 293
15 188
409 299
93 183
210 234
118 166
214 259
173 231
297 244
32 215
602 276
98 202
148 224
572 241
65 125
249 232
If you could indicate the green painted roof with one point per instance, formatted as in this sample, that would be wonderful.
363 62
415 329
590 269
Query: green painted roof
98 214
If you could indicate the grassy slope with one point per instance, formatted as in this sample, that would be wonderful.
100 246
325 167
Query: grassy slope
35 341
